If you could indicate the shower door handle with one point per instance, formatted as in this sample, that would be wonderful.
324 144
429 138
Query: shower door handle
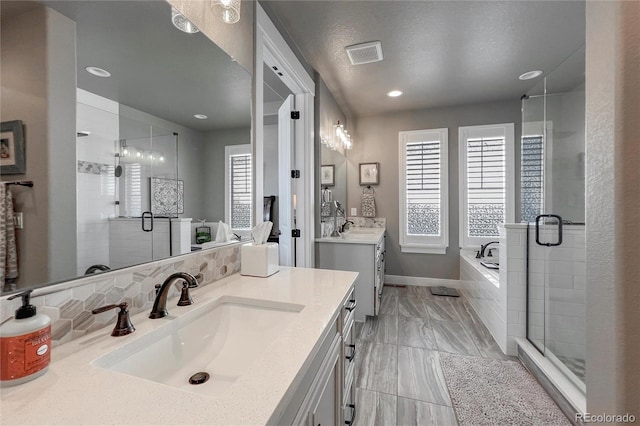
145 216
538 220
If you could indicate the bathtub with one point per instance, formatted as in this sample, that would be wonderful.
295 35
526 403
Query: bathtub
486 294
499 297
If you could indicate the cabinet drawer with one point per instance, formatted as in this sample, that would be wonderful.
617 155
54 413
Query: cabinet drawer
349 351
349 409
349 308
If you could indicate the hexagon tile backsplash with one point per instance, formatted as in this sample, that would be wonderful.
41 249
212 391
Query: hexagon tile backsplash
70 307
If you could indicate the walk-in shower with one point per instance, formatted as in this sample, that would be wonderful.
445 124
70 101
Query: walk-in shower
553 204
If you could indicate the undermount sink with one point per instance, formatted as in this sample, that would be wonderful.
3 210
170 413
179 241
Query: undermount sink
364 231
220 338
359 233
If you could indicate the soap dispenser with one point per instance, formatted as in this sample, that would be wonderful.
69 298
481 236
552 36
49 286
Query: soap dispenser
25 344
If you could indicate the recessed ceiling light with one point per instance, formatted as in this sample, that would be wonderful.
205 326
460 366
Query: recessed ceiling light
394 93
99 72
201 116
530 74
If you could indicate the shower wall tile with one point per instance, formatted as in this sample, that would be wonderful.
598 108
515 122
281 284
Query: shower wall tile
70 308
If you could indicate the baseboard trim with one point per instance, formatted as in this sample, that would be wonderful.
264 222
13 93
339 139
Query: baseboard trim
421 281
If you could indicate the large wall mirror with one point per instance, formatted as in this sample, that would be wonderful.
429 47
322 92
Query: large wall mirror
123 166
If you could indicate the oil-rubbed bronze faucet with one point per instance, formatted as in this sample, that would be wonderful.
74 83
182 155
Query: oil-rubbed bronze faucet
160 305
123 325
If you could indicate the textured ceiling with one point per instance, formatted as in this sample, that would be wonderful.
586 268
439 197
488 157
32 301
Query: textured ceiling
439 53
156 68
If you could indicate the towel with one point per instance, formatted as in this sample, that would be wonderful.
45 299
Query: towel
8 250
368 203
224 233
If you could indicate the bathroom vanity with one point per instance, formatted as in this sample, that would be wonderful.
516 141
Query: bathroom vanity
278 350
361 250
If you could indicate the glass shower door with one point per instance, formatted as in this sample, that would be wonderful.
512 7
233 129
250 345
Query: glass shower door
553 154
148 193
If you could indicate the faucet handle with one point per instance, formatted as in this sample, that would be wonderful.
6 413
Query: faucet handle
185 297
123 324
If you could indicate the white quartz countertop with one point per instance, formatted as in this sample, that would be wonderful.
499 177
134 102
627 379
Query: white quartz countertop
74 391
356 236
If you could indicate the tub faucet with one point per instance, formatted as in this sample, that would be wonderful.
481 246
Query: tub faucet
483 248
160 305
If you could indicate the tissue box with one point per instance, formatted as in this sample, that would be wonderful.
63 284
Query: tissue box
259 260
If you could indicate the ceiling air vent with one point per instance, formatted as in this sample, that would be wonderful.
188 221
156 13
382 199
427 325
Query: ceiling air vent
365 53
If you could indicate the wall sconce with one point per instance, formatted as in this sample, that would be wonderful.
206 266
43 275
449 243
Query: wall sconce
227 10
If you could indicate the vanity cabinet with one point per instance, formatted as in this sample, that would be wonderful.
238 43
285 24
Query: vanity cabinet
325 395
365 256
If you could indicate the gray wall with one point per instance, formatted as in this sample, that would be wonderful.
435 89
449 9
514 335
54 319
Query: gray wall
213 179
61 66
33 84
613 207
377 141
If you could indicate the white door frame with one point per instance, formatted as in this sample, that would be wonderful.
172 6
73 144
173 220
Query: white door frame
272 49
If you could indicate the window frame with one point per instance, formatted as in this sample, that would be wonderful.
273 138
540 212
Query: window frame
506 130
424 244
229 151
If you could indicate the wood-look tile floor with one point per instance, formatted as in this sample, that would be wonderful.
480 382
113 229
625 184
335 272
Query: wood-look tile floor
399 379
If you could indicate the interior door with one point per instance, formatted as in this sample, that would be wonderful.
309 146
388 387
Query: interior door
285 188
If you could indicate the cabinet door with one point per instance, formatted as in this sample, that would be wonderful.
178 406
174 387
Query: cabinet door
325 412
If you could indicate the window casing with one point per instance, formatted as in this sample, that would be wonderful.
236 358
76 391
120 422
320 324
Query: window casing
487 183
424 191
238 190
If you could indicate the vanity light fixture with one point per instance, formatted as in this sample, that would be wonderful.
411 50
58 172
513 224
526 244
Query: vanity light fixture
342 137
394 93
201 116
98 72
182 23
530 75
227 10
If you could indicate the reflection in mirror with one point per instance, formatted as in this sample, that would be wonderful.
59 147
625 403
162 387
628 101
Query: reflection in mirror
141 152
275 92
334 189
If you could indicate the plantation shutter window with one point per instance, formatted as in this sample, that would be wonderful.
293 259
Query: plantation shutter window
238 181
486 179
423 191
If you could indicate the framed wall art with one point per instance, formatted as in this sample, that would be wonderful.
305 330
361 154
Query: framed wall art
12 154
167 197
369 174
328 175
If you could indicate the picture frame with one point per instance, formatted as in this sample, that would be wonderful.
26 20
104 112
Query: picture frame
167 197
12 151
369 174
328 175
